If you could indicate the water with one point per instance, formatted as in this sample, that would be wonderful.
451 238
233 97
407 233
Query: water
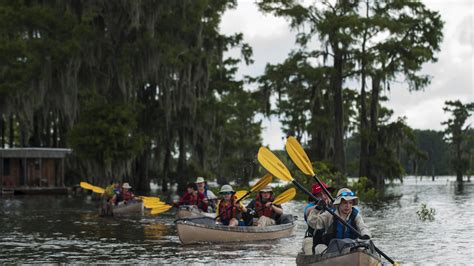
67 229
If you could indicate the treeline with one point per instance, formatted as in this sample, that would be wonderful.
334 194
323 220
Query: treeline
436 155
142 90
139 89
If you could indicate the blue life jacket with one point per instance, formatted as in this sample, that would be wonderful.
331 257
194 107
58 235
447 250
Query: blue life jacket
341 231
309 205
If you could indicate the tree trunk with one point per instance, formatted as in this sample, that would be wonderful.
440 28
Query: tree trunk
2 128
338 159
166 167
181 170
364 152
373 134
12 132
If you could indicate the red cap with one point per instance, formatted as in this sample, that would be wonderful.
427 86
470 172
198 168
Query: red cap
315 188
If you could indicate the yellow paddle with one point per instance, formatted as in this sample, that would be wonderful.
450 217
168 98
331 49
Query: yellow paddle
98 190
300 158
273 165
154 205
86 185
160 209
286 196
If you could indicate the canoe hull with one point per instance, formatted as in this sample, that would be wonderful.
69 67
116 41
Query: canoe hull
135 208
192 212
355 258
129 209
190 233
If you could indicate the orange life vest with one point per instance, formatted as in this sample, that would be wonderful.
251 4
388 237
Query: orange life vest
261 209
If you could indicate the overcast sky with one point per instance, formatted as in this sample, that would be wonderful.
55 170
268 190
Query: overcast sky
272 40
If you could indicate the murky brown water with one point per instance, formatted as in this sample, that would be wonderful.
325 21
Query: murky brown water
67 229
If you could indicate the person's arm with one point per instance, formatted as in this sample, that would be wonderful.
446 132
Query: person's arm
211 195
277 209
241 207
363 228
317 220
184 199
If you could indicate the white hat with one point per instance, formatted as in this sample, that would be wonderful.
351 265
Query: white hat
126 185
266 189
200 179
226 188
347 194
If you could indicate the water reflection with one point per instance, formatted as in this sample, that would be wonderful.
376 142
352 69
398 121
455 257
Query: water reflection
47 229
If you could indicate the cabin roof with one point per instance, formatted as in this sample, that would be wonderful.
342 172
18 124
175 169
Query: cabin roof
34 153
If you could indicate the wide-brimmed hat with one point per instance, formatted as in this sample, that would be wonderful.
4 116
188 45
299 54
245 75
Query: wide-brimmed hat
226 188
347 194
126 185
200 179
316 188
266 189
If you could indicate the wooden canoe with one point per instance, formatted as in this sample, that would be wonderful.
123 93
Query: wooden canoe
190 211
204 229
132 208
357 256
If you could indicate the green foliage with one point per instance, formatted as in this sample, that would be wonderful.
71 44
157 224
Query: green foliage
106 133
365 190
425 213
457 134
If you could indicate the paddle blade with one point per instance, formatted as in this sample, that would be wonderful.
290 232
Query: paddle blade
273 165
159 210
146 198
263 182
286 196
239 194
86 185
154 205
299 156
98 190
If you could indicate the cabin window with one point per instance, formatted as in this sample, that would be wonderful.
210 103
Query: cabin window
6 166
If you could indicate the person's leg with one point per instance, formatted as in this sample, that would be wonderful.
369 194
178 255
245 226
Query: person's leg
265 221
320 248
233 222
308 245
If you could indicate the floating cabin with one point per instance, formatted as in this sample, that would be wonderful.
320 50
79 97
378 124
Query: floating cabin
32 170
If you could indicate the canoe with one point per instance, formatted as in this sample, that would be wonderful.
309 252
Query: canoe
190 211
132 208
199 230
360 254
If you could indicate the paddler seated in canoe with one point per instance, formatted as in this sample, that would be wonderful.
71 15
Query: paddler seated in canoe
318 192
209 197
111 190
193 197
265 212
327 228
125 196
229 212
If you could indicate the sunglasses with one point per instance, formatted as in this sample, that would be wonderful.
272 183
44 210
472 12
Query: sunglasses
226 193
343 194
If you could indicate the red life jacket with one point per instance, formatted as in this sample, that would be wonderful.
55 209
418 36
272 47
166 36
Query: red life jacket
226 213
127 195
261 210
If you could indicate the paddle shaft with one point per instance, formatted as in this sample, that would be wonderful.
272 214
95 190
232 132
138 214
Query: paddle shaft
238 201
339 218
324 188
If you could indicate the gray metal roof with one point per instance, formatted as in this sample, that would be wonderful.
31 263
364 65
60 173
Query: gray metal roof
34 153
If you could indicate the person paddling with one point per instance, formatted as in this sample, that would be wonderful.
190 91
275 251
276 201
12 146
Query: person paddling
229 212
318 192
266 212
327 228
124 196
210 197
193 197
